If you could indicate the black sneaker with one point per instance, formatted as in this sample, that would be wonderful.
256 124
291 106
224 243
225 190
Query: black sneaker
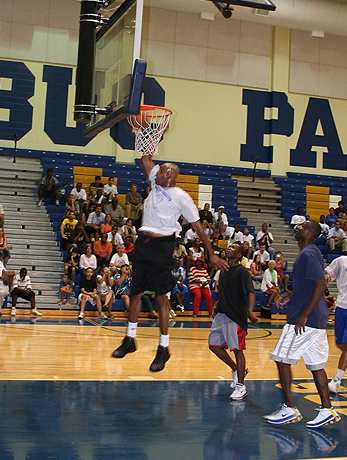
162 356
128 346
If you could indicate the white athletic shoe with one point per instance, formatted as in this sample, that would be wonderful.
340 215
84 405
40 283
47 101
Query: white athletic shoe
326 416
81 315
57 203
235 380
102 316
239 393
334 384
35 312
284 415
40 203
181 308
172 314
13 311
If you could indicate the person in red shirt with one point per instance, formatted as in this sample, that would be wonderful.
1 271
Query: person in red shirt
103 251
199 284
128 245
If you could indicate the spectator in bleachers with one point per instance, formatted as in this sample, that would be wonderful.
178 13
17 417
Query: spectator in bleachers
337 237
67 227
105 283
71 263
2 216
103 251
324 227
133 202
4 284
70 205
88 288
215 247
106 226
199 285
340 209
122 285
264 236
22 288
222 255
331 218
128 245
180 251
220 220
270 282
250 238
118 259
114 238
110 190
196 251
343 221
64 191
4 248
97 200
95 219
49 186
297 218
179 293
116 212
280 265
78 238
150 304
95 186
206 214
80 198
233 234
264 256
87 260
256 269
208 229
96 237
245 246
65 289
189 237
128 230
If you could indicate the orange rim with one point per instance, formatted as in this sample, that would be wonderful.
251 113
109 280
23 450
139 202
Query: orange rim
145 108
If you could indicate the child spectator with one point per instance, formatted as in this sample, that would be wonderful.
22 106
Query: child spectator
4 248
105 292
179 293
96 186
250 239
331 218
22 288
264 256
133 202
110 190
67 227
270 282
114 238
118 259
49 185
199 284
65 289
87 260
128 230
103 251
78 238
71 264
69 205
88 288
280 265
64 190
324 227
122 285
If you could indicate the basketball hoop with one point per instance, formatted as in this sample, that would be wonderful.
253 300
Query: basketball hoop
149 126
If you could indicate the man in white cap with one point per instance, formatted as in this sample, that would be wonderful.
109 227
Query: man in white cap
220 220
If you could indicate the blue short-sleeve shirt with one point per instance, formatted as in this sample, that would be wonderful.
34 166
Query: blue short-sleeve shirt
308 266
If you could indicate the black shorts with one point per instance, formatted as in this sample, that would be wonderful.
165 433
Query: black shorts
153 263
23 295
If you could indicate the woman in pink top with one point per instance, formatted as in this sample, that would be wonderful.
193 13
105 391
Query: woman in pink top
280 264
199 284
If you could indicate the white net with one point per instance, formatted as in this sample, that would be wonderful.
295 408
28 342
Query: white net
149 126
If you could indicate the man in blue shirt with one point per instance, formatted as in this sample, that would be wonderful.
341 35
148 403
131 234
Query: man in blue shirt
304 335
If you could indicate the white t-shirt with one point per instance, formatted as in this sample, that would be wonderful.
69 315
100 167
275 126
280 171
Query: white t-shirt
81 195
190 235
224 218
86 262
249 238
237 237
269 235
117 239
117 259
264 257
297 220
338 269
164 206
2 285
110 188
325 228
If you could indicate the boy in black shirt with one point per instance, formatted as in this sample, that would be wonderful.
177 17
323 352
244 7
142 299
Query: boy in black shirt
229 327
88 293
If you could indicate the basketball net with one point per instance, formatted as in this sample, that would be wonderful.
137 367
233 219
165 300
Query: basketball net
149 126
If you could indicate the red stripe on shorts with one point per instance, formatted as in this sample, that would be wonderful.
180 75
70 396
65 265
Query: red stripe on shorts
241 334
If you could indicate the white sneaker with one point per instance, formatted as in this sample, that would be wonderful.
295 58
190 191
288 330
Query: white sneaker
284 415
81 315
334 384
102 316
172 313
236 379
57 203
13 311
181 307
40 203
239 393
326 416
35 312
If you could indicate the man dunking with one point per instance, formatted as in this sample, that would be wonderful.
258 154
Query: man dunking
153 259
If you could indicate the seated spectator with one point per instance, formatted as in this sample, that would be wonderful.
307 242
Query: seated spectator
114 238
67 227
110 190
324 227
220 220
119 259
4 248
178 271
103 251
222 255
280 265
95 219
199 284
88 288
264 236
87 260
21 288
206 214
244 261
71 263
2 216
196 251
150 304
233 234
250 238
340 209
264 256
297 218
66 288
95 201
122 285
105 284
270 282
179 293
80 198
64 191
215 247
96 237
256 269
331 218
209 230
70 205
95 186
106 226
78 238
337 237
343 221
129 230
49 186
116 212
246 249
189 237
4 284
128 245
216 283
133 202
180 251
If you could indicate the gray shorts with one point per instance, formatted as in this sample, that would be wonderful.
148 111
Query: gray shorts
225 333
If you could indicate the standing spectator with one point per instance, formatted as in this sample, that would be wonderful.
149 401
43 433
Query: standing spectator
264 236
114 238
340 209
220 220
118 259
122 285
65 289
199 284
280 265
88 288
67 227
256 270
4 248
128 230
133 202
78 238
103 251
110 190
106 226
264 256
206 214
49 185
87 260
95 186
116 211
324 227
337 237
21 287
95 219
297 218
331 218
270 282
80 198
71 264
105 292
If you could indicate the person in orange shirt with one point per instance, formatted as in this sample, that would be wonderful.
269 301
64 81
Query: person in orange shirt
103 251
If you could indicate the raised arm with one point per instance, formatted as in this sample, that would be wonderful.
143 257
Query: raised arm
147 164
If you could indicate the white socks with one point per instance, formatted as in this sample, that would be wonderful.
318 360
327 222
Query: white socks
132 328
164 340
339 374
